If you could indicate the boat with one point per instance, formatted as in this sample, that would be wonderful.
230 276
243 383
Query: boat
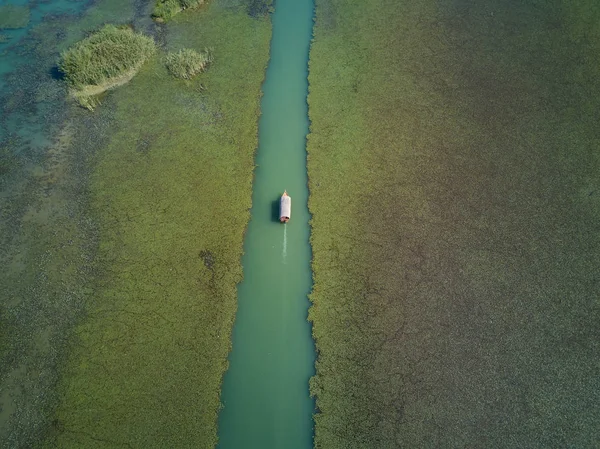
285 207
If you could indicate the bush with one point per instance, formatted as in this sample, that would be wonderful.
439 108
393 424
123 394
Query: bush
166 9
13 16
105 55
187 63
185 4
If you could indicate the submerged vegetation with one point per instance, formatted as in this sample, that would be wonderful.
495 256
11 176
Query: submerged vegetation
108 58
453 176
187 63
167 9
13 16
47 240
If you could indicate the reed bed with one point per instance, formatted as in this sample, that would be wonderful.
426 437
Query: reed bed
187 63
166 9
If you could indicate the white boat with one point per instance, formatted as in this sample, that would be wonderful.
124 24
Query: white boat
285 207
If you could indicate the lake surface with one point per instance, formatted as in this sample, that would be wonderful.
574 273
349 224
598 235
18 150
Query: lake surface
265 392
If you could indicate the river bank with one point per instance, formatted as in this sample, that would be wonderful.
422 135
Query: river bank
454 197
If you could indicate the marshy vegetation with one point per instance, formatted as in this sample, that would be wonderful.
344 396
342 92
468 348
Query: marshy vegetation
45 244
85 242
147 362
106 59
167 9
455 292
187 63
13 16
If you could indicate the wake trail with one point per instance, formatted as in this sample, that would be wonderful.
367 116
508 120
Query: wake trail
284 242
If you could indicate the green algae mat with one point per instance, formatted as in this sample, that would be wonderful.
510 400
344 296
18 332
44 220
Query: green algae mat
453 173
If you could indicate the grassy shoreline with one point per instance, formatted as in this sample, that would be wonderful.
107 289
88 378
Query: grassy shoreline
454 205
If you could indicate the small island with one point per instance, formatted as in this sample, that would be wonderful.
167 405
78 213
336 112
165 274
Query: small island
106 59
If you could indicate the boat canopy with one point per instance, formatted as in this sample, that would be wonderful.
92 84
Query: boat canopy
285 208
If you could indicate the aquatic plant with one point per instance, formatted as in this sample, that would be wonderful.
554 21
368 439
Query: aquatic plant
187 63
4 38
109 53
106 59
7 159
166 9
13 16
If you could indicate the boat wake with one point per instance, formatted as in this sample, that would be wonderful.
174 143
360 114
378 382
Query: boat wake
284 242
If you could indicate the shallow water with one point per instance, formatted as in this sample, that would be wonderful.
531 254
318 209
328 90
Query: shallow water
265 392
43 222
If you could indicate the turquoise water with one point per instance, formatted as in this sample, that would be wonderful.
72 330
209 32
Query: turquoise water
26 80
265 392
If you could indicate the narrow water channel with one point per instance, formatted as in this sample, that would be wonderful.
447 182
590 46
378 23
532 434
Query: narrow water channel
265 391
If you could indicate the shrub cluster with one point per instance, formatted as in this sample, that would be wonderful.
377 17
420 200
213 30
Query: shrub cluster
13 16
107 54
187 63
166 9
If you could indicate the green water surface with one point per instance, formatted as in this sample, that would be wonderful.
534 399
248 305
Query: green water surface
265 391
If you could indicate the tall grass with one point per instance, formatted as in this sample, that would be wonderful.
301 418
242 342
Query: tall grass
107 54
166 9
187 63
106 59
13 16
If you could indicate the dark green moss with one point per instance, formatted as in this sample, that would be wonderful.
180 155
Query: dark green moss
259 8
